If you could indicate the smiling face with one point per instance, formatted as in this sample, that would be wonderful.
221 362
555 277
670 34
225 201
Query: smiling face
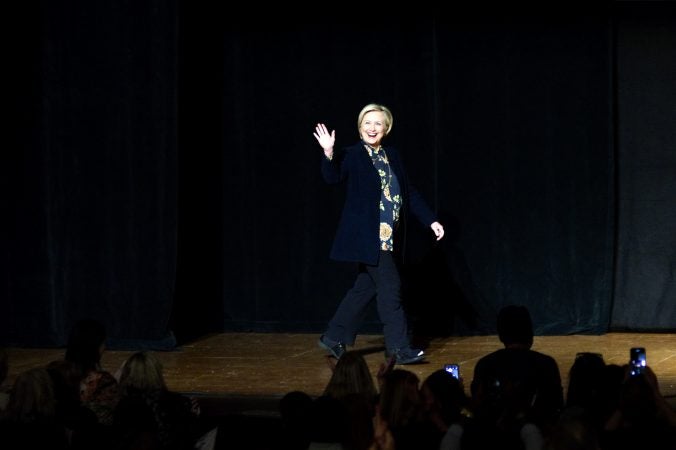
373 128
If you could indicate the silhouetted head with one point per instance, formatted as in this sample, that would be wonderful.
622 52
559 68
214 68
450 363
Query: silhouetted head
32 398
142 371
86 343
515 326
400 401
351 375
585 380
294 407
445 394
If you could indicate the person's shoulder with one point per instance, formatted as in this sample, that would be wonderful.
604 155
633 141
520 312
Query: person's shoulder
492 355
543 360
498 353
508 359
490 359
542 356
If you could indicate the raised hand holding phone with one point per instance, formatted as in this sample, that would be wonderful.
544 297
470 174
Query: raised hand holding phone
453 369
637 360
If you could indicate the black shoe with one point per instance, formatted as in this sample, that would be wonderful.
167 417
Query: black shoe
407 355
336 349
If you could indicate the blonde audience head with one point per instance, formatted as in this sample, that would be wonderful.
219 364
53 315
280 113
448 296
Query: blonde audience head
142 371
32 397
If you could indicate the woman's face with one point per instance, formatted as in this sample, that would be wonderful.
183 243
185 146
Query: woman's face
373 128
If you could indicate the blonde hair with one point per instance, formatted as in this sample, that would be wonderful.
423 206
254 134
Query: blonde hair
351 375
376 107
142 371
33 397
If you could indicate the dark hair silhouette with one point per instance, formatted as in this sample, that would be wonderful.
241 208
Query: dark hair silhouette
515 325
85 344
585 380
449 395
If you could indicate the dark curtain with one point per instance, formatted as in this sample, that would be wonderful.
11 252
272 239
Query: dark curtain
92 209
645 288
166 179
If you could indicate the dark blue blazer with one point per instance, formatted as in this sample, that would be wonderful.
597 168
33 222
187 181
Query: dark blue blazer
358 235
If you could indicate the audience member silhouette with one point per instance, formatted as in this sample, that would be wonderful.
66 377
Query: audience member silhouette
585 378
100 393
328 424
86 344
353 384
361 413
295 412
502 416
30 420
611 388
400 414
516 403
643 418
582 419
584 398
352 394
351 375
79 421
521 369
383 438
572 432
444 405
148 413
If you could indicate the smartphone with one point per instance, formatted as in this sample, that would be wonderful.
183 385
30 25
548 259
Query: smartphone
637 360
453 369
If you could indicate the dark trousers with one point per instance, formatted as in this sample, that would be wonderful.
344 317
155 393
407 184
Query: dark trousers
381 281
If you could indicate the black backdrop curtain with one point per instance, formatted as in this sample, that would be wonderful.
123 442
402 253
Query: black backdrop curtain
645 292
167 181
92 180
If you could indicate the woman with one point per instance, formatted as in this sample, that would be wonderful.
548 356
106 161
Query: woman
444 406
148 413
30 419
378 196
351 375
400 415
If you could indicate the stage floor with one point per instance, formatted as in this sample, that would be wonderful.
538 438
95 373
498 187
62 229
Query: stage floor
252 371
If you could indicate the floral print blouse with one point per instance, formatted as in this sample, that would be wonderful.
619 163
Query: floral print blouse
390 198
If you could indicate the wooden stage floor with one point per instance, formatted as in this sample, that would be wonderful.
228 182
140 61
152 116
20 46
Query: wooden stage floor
250 372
